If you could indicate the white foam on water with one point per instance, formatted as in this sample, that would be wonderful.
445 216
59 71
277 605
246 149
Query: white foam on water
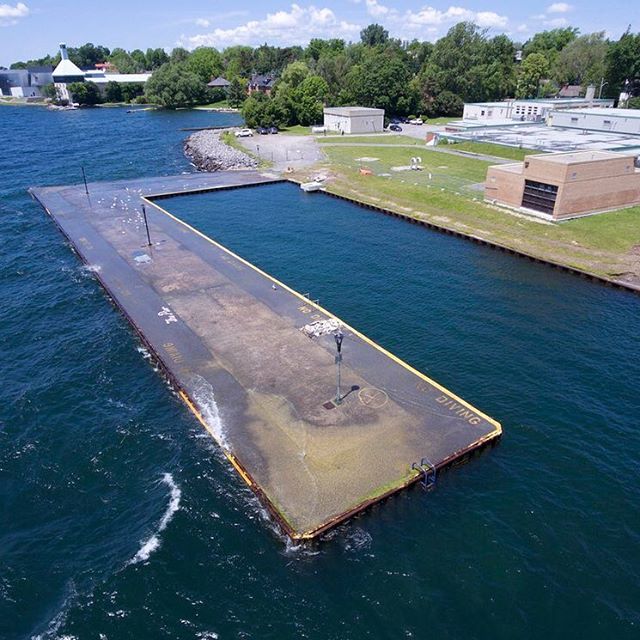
153 542
145 353
60 617
202 393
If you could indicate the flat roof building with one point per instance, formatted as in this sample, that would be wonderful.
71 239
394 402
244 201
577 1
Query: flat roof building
597 119
354 119
566 185
526 110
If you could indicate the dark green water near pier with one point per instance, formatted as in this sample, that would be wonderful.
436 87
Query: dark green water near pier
119 518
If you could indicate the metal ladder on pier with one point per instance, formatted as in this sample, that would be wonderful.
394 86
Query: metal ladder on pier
428 471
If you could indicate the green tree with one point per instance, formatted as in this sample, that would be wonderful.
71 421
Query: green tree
174 85
382 80
623 65
334 70
88 55
113 92
131 91
237 92
140 59
179 54
50 91
318 48
534 68
254 110
582 61
374 35
238 61
155 58
550 43
85 93
293 75
467 64
205 62
260 110
124 62
446 104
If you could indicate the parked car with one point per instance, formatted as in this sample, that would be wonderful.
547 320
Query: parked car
416 121
263 131
395 127
318 129
273 129
244 133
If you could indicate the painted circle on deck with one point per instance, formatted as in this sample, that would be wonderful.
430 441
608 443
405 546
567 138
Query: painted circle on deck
372 397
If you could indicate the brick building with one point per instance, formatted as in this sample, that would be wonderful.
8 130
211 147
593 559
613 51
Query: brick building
566 185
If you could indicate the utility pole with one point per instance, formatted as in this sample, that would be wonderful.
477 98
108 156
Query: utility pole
146 224
338 338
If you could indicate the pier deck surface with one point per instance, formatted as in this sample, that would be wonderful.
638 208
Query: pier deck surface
229 336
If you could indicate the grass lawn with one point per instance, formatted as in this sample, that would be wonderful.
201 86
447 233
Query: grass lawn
221 104
300 130
599 244
441 120
490 149
229 138
442 167
379 139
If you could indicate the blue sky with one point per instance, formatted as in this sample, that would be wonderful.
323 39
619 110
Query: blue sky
34 27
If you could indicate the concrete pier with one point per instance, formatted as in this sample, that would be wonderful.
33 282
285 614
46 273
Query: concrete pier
232 340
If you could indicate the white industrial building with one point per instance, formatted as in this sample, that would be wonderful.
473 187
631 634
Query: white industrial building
67 72
625 121
354 119
525 110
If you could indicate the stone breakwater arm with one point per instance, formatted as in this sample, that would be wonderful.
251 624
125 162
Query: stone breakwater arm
208 152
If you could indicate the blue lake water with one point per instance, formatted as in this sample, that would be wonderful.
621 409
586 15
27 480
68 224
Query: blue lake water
119 519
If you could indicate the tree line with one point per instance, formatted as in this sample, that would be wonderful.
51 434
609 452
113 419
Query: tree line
417 77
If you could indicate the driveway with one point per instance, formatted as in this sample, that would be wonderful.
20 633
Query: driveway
285 150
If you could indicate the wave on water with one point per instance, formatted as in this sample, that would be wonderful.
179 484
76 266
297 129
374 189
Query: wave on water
60 618
153 542
202 393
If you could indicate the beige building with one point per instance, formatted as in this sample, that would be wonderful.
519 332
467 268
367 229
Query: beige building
354 119
566 185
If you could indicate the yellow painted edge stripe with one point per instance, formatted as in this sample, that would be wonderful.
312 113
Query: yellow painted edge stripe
227 453
216 187
495 423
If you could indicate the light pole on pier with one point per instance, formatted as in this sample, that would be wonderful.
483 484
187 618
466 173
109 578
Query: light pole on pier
338 338
84 177
146 224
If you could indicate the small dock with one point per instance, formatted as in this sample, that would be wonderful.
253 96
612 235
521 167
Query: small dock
255 361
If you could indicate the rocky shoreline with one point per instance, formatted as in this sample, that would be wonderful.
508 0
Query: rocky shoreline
208 152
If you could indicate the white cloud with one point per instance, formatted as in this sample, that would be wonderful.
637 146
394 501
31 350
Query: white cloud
557 22
522 28
375 9
431 16
9 15
299 24
296 26
559 7
490 19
